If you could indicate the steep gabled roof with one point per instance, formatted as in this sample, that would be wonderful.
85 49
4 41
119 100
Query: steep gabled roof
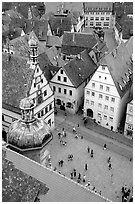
129 46
16 79
96 5
74 43
53 41
40 27
121 68
78 70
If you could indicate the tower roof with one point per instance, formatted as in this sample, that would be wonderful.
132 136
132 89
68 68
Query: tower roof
33 40
26 103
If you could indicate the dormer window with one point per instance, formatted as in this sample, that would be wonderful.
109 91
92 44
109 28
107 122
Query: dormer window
120 86
123 81
129 71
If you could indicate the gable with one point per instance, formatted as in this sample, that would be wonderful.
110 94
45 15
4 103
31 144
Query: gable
102 76
61 73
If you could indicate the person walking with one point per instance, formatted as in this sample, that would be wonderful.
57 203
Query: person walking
86 167
79 176
104 147
74 173
84 178
71 175
88 149
92 153
109 166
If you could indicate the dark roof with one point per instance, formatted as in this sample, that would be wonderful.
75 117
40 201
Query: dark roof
44 63
18 186
120 66
16 79
74 43
53 41
60 24
78 70
40 27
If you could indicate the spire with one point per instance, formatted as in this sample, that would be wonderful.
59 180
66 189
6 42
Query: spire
33 45
27 110
29 14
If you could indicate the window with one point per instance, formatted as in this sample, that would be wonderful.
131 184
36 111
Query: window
103 68
34 85
107 19
41 80
70 92
50 107
106 107
59 78
112 99
131 109
65 79
91 23
112 109
105 78
97 18
108 88
100 96
37 70
101 87
39 99
42 112
88 92
92 103
130 127
65 91
86 24
111 119
61 71
39 115
39 86
99 105
69 105
92 18
105 117
93 94
99 115
102 18
86 18
87 101
93 85
107 98
2 117
45 92
54 88
59 89
98 24
46 110
99 77
106 24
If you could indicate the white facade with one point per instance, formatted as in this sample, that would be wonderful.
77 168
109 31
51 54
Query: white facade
102 101
65 92
43 97
128 130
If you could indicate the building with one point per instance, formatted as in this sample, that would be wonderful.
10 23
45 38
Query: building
109 88
118 33
29 135
69 82
99 14
128 131
23 77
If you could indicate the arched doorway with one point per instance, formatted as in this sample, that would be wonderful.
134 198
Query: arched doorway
90 113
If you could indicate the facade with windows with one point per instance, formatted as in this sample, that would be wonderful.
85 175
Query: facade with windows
129 120
21 79
99 14
107 92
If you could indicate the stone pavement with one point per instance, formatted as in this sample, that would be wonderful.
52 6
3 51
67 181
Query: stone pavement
78 119
109 182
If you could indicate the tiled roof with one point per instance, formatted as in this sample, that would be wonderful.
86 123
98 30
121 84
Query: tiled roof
53 41
18 186
97 5
16 79
129 46
74 43
21 47
121 67
44 63
60 24
78 70
40 27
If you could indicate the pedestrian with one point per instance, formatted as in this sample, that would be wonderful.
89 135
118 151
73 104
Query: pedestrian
109 160
88 184
63 132
74 130
109 166
78 125
92 153
88 149
76 136
79 176
104 147
86 166
84 178
71 175
74 172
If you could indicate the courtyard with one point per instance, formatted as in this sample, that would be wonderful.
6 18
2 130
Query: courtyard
107 182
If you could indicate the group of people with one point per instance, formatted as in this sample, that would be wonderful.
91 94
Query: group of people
61 136
90 151
78 176
125 193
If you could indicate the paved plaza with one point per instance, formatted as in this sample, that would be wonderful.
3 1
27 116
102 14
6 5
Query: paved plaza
109 182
